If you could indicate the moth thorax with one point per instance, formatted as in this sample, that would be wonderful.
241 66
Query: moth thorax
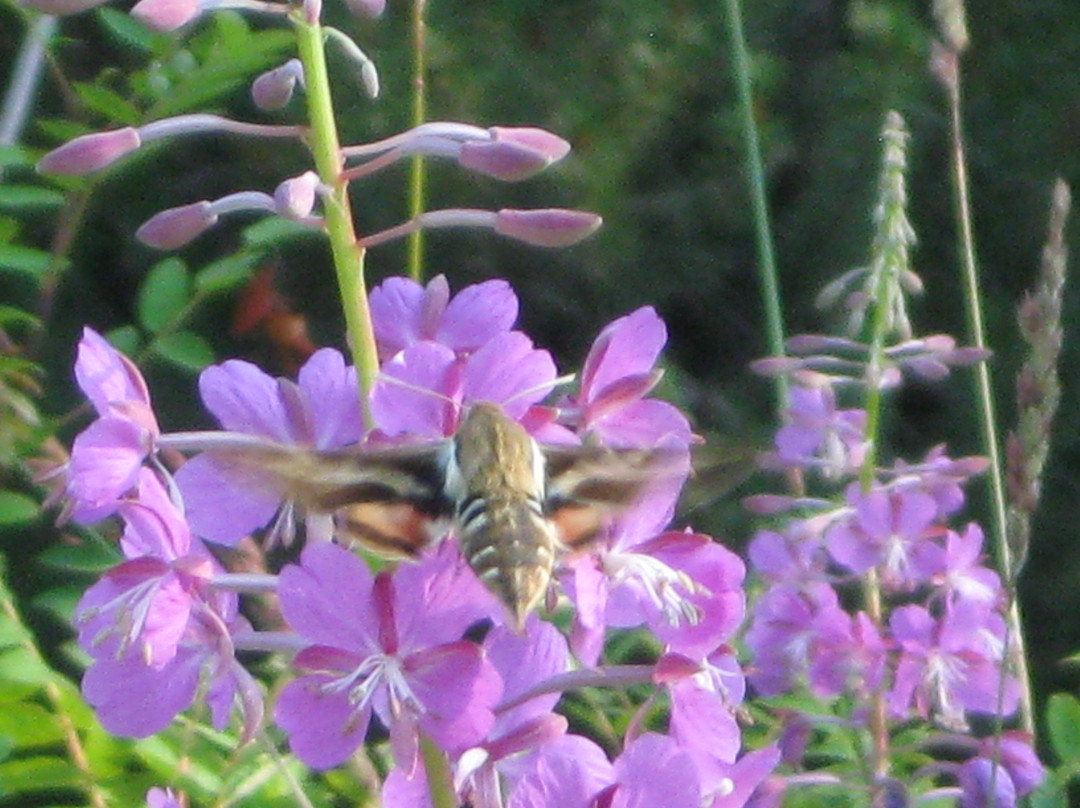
511 548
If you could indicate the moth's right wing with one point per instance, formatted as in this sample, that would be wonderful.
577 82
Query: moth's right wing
389 499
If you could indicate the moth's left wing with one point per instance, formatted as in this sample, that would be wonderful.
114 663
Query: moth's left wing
588 485
386 498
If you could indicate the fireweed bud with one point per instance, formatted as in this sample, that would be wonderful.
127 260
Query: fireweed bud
274 88
175 227
88 153
512 154
547 227
295 198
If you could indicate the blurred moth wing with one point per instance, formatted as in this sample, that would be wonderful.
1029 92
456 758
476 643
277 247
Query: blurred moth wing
513 504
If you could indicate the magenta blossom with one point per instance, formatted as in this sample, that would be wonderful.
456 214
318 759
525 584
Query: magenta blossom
950 665
389 645
617 375
818 435
684 586
225 500
107 455
424 389
892 530
142 606
404 313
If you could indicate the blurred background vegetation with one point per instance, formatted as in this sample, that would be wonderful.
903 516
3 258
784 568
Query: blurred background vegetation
644 91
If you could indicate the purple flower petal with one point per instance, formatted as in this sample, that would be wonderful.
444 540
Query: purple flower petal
652 771
508 371
477 314
136 700
458 688
245 399
414 392
331 400
327 598
105 462
323 727
105 375
630 345
226 501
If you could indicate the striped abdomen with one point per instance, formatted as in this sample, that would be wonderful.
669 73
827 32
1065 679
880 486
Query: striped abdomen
510 546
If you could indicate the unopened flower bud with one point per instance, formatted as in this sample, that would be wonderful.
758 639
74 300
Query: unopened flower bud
513 153
274 88
175 227
295 198
88 153
547 227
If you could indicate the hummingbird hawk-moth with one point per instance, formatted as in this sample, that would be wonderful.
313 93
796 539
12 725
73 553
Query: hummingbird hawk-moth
513 503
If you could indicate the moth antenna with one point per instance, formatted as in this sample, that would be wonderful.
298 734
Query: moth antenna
569 377
415 388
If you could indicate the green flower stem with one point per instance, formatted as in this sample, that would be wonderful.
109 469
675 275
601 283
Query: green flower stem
417 175
348 255
984 393
770 286
440 781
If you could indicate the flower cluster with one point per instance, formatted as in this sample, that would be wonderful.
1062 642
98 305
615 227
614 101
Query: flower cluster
398 647
930 642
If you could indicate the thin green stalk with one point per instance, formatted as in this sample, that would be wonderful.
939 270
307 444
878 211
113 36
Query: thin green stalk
770 286
984 389
417 175
348 255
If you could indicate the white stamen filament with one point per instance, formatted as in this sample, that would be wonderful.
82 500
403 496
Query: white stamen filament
363 682
663 585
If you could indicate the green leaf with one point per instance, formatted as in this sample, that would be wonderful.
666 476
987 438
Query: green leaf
24 775
164 295
17 509
1051 793
13 633
129 31
86 556
21 664
185 348
125 339
109 104
1063 722
14 157
29 197
12 317
29 724
274 230
225 273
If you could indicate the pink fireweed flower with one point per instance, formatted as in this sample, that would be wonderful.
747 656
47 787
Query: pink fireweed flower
425 389
142 606
617 375
893 530
162 798
684 586
226 500
818 435
788 628
949 665
963 577
155 627
404 313
389 645
137 700
704 698
107 455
